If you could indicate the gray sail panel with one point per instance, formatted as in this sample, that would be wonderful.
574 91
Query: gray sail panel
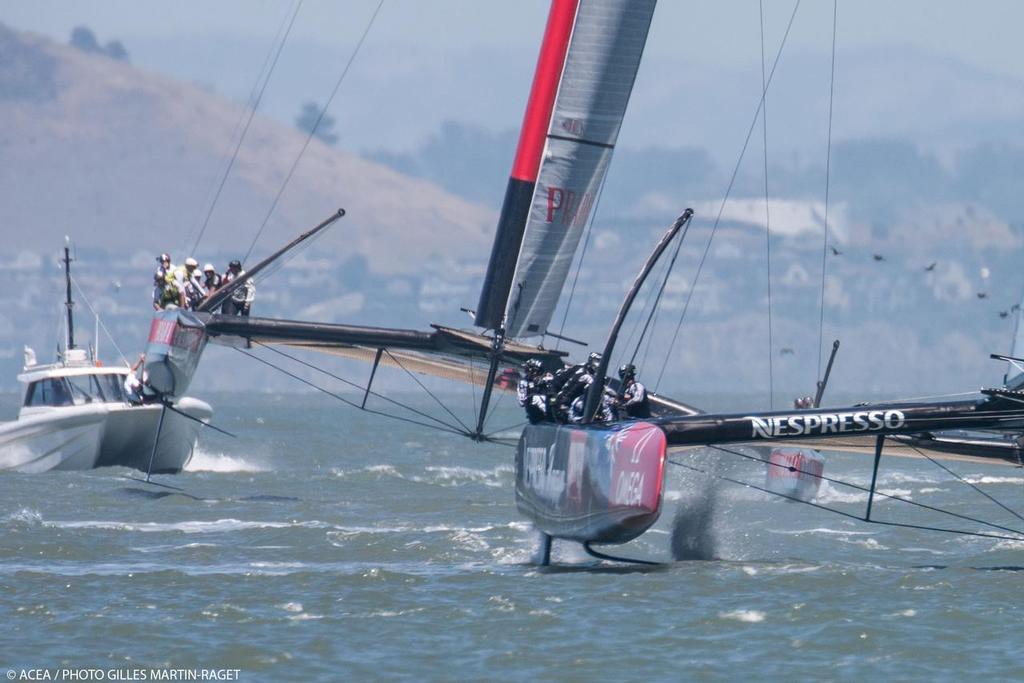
597 80
565 194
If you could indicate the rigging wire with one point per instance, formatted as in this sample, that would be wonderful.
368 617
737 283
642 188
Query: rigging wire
583 254
225 159
767 218
345 400
358 386
646 306
494 408
728 191
92 310
956 476
828 171
248 122
429 392
313 129
866 489
517 425
850 515
661 290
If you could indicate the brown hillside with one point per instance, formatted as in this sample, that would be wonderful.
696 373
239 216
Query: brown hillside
121 157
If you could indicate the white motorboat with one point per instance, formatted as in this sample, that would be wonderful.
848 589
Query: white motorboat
77 414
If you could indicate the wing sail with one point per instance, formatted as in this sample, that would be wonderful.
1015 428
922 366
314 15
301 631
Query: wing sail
556 178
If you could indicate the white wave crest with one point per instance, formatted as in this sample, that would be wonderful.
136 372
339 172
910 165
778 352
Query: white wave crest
191 527
457 475
201 461
24 516
380 471
747 616
830 494
988 479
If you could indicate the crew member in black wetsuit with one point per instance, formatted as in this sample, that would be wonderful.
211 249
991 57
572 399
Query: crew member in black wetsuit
571 384
530 391
633 399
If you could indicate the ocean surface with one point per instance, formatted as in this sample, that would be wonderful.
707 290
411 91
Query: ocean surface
327 544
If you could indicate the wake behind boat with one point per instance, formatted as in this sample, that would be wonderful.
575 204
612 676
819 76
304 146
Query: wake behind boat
77 414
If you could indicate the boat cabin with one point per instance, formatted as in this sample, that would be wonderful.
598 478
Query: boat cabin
74 381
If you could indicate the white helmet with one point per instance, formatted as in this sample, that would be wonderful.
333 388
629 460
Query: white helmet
191 263
208 268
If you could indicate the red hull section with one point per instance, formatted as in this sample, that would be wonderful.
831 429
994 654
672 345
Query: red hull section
795 472
600 484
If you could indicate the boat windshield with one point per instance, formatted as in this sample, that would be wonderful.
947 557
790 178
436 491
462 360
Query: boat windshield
48 392
112 387
76 390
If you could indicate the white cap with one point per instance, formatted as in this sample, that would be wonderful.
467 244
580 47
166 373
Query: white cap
191 262
208 268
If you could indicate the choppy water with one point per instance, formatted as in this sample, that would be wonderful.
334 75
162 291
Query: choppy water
324 543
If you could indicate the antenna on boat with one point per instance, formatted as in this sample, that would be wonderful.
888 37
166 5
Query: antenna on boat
67 301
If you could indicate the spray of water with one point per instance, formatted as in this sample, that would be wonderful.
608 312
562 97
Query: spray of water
693 532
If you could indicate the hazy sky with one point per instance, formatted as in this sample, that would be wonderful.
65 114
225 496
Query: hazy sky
984 32
417 51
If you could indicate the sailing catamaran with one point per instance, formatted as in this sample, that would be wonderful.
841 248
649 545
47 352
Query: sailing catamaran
590 482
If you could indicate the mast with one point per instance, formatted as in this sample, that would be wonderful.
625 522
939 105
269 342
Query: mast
68 303
515 210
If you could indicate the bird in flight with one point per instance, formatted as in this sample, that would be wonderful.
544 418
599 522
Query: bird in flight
835 252
931 266
1003 314
786 351
879 257
982 295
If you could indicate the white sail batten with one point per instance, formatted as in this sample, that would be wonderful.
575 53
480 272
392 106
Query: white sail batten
600 68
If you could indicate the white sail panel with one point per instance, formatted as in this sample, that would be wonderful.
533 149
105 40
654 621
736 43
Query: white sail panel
600 67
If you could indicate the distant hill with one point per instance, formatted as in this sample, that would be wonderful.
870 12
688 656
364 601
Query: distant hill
126 159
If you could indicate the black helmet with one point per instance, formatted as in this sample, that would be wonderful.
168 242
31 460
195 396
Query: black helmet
235 264
594 360
627 371
532 367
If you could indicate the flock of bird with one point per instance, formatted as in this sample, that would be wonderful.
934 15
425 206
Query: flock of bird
788 351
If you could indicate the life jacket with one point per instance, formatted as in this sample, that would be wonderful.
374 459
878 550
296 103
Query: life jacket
170 292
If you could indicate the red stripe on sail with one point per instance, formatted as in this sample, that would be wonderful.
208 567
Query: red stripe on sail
544 89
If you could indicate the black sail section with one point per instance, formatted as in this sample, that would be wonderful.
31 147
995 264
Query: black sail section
502 265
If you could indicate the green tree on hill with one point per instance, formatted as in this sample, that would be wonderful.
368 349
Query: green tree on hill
312 119
85 40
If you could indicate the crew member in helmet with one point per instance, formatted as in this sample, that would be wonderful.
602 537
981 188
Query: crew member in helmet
160 280
191 285
211 279
242 298
573 383
606 410
632 397
530 391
